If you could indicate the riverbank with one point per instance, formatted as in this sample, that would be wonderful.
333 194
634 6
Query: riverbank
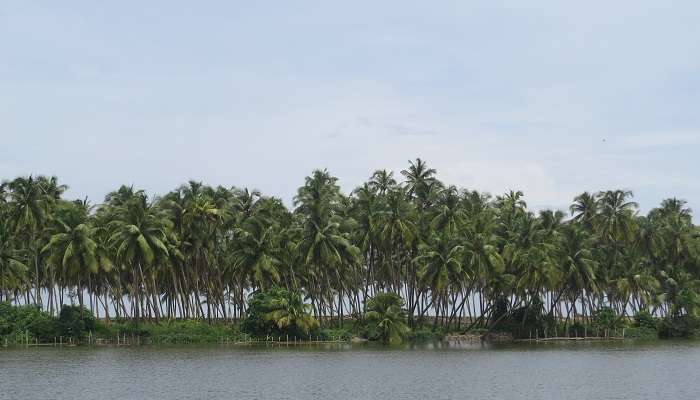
29 326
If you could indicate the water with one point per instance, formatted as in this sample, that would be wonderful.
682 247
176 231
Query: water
666 370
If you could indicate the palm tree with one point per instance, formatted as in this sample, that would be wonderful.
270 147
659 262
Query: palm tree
12 269
323 246
441 250
616 213
448 215
30 202
256 258
418 176
139 235
289 312
577 266
71 247
441 267
585 209
382 181
386 314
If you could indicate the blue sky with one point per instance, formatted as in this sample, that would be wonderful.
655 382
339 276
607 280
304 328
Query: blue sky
549 97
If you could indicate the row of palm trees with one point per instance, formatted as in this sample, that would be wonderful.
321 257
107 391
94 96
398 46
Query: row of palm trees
452 254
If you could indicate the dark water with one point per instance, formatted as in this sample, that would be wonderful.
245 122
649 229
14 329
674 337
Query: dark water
668 370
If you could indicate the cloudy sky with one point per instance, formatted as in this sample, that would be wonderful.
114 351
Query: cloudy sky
549 97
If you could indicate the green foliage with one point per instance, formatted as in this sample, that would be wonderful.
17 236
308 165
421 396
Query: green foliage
641 333
523 321
74 322
44 327
198 249
578 329
425 334
644 319
679 327
606 319
170 332
16 322
334 334
278 313
386 318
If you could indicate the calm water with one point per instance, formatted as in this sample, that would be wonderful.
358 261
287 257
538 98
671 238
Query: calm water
537 371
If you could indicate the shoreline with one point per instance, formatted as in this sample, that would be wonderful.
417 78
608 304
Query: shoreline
355 341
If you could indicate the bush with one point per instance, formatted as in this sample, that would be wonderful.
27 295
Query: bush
641 333
385 318
523 321
74 322
43 327
425 334
679 327
577 329
334 334
278 313
18 321
644 319
606 319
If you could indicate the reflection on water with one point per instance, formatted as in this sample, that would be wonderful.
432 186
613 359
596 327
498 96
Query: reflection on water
620 370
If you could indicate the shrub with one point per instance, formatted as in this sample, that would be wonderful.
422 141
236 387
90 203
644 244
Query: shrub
606 319
679 327
577 329
644 319
523 321
641 333
425 334
334 334
278 312
43 327
386 319
18 321
74 322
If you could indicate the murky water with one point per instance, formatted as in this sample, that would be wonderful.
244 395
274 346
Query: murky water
660 370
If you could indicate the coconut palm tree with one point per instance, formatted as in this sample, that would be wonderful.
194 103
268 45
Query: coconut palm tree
71 248
387 317
441 268
13 271
139 234
256 258
290 313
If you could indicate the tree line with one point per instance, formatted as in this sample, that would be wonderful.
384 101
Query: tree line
451 254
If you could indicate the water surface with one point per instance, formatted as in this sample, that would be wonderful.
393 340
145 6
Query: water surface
659 370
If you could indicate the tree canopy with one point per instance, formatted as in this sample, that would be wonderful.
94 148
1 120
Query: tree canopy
445 252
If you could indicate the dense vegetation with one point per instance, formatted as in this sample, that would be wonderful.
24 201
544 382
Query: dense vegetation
202 252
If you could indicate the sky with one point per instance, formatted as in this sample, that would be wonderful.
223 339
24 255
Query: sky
548 97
